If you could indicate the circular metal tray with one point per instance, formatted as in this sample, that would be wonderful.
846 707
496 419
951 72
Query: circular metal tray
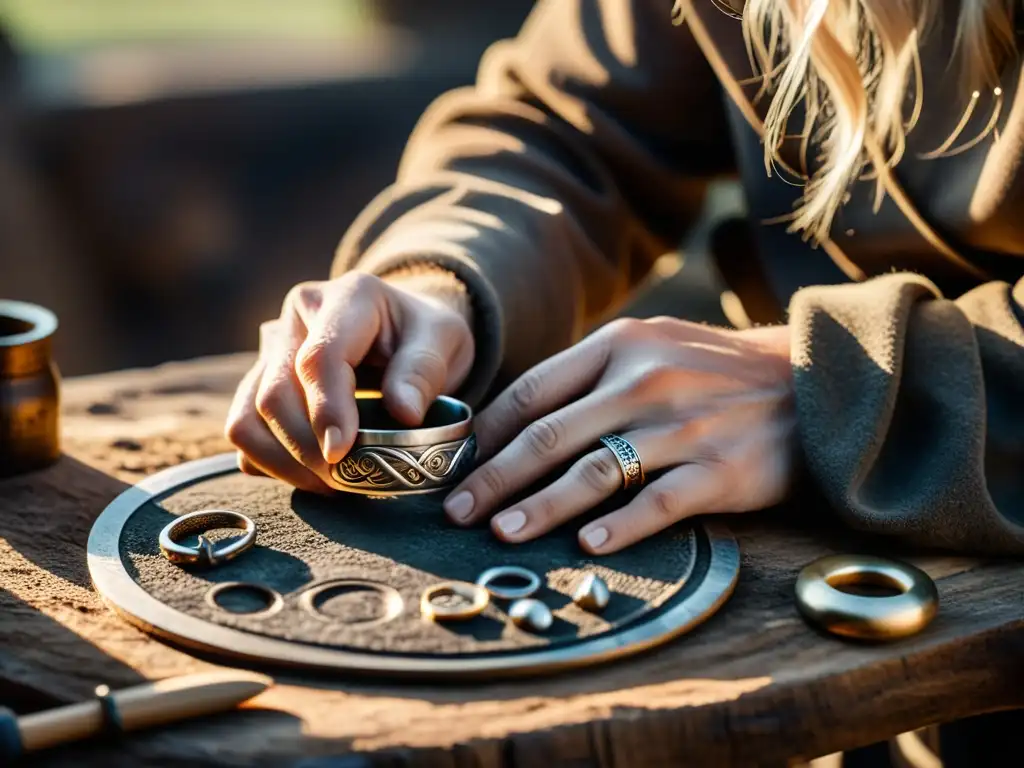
678 581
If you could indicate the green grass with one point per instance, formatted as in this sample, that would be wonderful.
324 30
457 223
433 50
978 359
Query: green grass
54 25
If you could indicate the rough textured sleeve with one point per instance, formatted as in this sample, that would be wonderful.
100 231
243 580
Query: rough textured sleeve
551 185
911 408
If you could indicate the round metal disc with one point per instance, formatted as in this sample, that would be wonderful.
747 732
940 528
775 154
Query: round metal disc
706 587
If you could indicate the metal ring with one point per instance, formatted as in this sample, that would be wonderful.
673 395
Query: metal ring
392 599
491 575
389 460
477 595
205 553
628 459
274 600
861 616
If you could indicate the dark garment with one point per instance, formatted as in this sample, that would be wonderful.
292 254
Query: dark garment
582 154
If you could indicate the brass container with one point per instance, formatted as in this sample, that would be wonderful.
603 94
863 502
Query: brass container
29 389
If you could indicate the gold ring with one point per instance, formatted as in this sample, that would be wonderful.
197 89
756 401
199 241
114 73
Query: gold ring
477 596
863 617
628 458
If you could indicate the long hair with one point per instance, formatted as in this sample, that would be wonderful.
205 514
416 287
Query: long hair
854 69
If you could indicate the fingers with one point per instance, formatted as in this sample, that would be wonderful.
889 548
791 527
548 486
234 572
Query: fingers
541 390
596 477
433 357
535 452
338 338
689 490
279 399
260 453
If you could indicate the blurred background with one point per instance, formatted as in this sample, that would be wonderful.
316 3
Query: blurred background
170 168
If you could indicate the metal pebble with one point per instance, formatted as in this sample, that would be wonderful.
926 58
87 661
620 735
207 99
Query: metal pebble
592 594
531 615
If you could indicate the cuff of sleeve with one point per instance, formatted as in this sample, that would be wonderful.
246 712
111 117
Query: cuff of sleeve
488 325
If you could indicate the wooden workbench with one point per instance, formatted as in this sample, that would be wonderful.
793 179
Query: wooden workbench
752 686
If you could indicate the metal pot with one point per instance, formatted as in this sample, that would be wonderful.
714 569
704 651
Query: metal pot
29 389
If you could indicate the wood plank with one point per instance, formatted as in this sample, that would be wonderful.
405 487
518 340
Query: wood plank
754 686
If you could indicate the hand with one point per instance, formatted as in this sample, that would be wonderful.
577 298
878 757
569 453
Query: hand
710 407
295 412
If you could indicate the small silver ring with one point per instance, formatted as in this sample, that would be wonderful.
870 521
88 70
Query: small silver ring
274 600
628 459
206 554
488 577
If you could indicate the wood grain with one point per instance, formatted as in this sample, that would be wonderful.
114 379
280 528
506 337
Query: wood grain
753 686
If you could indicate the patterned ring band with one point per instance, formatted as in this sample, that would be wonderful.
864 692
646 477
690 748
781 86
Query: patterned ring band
628 458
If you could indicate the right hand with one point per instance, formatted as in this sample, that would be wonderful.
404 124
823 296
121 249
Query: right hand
295 412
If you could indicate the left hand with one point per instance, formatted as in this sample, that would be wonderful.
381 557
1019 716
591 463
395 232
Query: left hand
712 407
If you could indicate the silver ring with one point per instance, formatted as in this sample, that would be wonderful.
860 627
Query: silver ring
628 459
274 600
391 598
205 553
389 460
491 575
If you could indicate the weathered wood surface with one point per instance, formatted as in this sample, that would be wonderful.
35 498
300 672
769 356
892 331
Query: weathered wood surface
753 686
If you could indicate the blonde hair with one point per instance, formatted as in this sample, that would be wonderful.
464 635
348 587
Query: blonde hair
854 68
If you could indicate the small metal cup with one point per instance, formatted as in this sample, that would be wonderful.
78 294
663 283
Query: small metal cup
29 389
388 459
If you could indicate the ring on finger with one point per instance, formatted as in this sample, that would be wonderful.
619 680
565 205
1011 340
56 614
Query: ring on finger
628 459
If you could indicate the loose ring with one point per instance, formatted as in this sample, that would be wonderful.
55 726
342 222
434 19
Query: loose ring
391 600
477 596
491 575
860 616
628 459
205 553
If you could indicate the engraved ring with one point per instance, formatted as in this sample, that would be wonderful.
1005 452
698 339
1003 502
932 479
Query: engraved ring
388 459
205 553
628 458
476 596
491 575
824 604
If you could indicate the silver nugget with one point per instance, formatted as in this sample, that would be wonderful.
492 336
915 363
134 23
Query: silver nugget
592 594
531 615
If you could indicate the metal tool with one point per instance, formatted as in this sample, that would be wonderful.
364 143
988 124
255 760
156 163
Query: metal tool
205 553
473 600
131 709
531 615
864 617
389 459
488 578
29 389
592 594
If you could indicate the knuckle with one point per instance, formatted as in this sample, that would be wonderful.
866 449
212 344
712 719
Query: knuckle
426 369
236 431
625 328
666 503
526 391
307 294
270 398
310 358
543 437
360 282
600 472
493 480
651 382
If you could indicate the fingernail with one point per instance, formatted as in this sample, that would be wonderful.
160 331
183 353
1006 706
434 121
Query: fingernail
332 445
411 397
510 522
596 537
460 506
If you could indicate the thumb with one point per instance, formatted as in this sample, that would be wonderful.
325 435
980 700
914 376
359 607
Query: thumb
433 357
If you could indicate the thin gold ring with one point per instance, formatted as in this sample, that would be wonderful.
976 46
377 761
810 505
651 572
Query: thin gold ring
860 616
477 596
628 459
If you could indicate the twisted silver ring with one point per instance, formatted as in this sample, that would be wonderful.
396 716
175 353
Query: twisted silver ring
205 553
628 459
